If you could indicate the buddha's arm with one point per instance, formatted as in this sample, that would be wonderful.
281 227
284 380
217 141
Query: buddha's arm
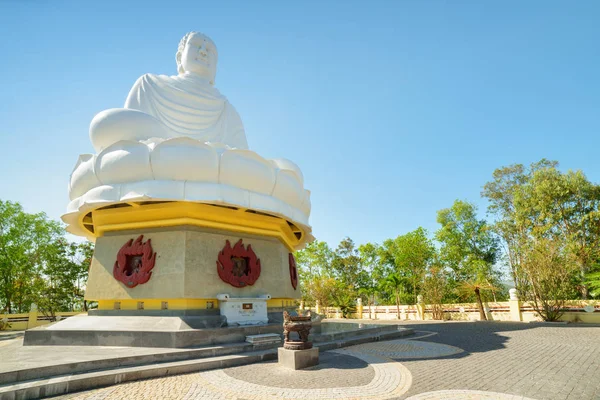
133 122
236 136
135 97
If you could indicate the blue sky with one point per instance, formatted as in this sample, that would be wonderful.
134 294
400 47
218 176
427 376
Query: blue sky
392 109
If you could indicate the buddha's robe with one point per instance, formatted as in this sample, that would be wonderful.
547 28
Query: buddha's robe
164 107
188 106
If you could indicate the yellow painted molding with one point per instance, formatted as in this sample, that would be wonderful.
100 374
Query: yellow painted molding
128 216
157 304
276 303
179 304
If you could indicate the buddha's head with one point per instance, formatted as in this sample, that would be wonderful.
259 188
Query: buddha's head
197 54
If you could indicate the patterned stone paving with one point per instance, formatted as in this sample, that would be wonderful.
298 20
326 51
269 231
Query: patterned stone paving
390 380
405 349
538 361
334 370
465 395
442 361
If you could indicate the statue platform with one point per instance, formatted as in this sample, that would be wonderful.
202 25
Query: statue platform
142 331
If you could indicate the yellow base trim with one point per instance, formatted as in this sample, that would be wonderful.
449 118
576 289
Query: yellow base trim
157 304
178 304
276 303
128 216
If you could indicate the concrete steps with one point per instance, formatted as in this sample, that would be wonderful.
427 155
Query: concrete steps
137 360
34 389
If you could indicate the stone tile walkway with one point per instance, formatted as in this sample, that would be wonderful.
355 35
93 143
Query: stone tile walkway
482 360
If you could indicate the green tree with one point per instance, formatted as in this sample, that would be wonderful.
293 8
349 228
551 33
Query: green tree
563 207
593 282
500 192
37 263
315 274
468 247
346 268
26 247
343 298
397 284
410 255
60 281
346 264
548 268
370 273
435 288
540 202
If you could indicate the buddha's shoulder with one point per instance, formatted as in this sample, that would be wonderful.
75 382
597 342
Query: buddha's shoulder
153 78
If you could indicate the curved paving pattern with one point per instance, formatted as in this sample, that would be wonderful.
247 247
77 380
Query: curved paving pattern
391 379
334 370
421 335
465 395
403 349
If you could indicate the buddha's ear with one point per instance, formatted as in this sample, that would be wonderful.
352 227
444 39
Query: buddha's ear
178 60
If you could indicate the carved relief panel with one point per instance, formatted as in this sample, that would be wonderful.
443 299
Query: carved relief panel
135 261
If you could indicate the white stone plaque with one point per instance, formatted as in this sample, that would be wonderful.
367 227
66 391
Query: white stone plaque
244 310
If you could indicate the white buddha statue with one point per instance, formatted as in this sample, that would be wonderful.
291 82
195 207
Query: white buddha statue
160 107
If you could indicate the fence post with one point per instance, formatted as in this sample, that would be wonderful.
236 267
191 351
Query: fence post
33 316
515 305
359 308
420 308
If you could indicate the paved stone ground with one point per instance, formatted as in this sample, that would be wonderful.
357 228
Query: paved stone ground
462 360
540 361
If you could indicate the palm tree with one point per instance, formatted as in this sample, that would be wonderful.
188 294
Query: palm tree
476 286
593 282
396 283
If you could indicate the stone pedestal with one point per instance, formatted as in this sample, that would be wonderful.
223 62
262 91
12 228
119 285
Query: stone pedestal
298 359
186 276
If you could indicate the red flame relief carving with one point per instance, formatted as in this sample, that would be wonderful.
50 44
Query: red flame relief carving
238 266
134 262
293 272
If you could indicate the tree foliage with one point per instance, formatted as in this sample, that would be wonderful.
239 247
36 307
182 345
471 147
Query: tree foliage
468 248
314 270
408 256
37 264
549 225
